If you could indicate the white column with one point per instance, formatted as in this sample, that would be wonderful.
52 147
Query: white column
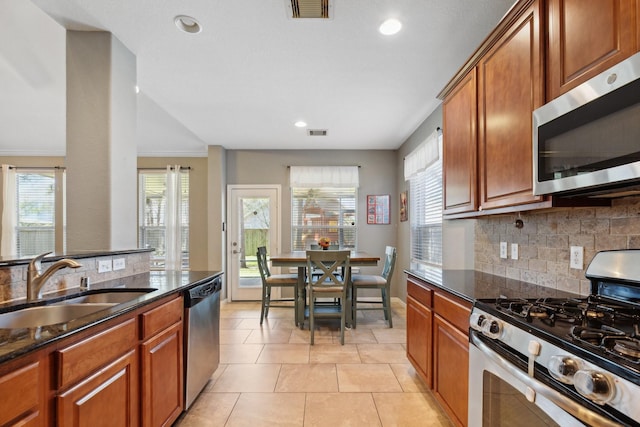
101 153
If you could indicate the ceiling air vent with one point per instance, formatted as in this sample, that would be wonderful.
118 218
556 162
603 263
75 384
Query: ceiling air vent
309 9
317 132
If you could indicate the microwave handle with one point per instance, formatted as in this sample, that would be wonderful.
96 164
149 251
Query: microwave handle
573 408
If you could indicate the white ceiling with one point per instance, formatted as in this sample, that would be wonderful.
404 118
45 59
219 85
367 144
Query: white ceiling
248 76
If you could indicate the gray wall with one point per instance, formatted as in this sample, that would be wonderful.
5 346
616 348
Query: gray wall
378 176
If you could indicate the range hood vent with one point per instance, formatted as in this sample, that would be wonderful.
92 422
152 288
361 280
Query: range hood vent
309 9
317 132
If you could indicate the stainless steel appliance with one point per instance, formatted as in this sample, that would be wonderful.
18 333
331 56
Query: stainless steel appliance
202 336
586 141
560 361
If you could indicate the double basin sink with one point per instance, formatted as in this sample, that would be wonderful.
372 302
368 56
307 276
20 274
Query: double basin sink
68 309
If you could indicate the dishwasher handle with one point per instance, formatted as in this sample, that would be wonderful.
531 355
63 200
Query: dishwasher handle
201 292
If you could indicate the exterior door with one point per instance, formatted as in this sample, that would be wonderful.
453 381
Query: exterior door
254 220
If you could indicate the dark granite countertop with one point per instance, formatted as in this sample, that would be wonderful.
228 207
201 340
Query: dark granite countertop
472 285
20 341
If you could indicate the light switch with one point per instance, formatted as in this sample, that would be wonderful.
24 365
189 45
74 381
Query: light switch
104 265
503 250
514 251
118 264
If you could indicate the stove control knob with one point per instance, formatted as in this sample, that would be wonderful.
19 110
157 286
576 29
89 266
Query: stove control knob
492 328
594 385
563 368
475 321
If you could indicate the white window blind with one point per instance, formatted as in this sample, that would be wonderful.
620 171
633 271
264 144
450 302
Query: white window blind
425 210
323 212
36 211
152 215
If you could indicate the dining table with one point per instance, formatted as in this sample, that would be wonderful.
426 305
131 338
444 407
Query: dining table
299 259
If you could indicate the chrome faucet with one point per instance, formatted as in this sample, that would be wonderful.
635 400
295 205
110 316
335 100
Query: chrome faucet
36 279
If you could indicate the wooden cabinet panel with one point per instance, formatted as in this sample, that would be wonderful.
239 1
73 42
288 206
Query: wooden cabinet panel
419 339
459 149
79 360
22 397
456 311
159 318
510 84
587 37
162 377
451 369
420 292
107 398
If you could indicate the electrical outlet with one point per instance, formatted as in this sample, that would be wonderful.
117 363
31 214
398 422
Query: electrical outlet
118 264
503 250
514 251
104 265
576 254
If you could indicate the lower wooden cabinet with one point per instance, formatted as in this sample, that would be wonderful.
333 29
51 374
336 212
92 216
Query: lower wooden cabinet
419 342
107 398
451 369
438 344
125 372
162 374
22 388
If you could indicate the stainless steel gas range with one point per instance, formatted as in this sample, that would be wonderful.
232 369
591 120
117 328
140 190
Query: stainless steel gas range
560 361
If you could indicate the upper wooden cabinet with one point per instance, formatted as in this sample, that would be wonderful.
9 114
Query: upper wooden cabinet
459 153
510 87
587 37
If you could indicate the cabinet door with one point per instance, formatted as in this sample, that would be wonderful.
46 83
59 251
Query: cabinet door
162 379
107 398
451 369
22 396
459 148
511 86
585 38
419 338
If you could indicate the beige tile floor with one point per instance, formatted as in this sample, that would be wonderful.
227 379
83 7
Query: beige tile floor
269 375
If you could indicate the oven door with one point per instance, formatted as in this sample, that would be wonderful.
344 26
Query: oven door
502 394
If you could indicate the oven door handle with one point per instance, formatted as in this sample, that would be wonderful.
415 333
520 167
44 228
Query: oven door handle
572 407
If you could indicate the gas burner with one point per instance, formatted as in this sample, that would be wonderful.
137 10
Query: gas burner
628 347
538 312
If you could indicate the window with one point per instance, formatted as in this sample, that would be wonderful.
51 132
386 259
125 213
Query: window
323 204
425 204
35 211
323 212
152 215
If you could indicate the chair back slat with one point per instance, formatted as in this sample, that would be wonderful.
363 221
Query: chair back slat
331 266
263 264
389 263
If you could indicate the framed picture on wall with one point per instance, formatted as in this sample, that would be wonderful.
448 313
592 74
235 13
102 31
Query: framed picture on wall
378 209
403 206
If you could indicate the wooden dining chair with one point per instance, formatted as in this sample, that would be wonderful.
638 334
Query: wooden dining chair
382 282
273 280
331 283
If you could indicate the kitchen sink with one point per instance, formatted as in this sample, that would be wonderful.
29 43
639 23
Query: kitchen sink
49 314
107 297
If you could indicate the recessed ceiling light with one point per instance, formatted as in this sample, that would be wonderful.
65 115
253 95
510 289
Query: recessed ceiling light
137 89
300 124
390 26
187 24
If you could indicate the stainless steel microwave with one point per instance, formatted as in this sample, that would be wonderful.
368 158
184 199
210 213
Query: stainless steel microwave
587 141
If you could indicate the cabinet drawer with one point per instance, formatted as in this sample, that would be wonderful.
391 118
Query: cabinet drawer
20 391
456 312
154 321
81 359
420 293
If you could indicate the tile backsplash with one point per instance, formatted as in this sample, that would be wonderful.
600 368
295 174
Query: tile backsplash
546 237
13 280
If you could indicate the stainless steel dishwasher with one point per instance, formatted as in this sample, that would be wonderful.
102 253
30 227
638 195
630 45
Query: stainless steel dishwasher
202 336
